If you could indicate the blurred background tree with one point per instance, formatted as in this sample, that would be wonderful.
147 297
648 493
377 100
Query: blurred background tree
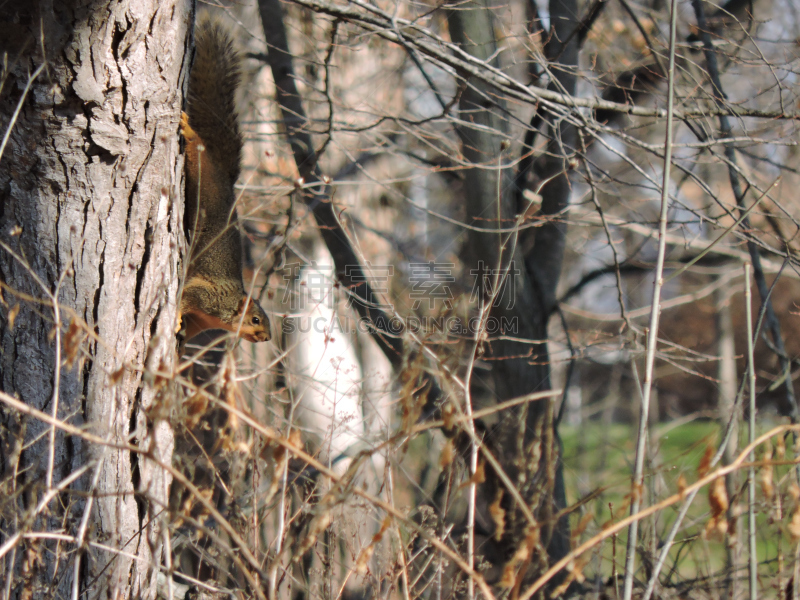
452 212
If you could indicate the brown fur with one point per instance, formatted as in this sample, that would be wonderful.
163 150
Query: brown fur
214 296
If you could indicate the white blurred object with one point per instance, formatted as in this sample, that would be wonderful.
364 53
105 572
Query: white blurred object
341 400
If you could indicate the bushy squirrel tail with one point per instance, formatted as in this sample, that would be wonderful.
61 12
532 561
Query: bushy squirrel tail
211 103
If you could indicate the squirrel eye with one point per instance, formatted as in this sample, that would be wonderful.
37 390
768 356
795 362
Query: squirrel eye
256 321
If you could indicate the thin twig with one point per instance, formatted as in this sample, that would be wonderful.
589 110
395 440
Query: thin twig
751 475
652 336
17 110
401 549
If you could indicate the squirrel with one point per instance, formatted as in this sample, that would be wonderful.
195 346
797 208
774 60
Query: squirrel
214 296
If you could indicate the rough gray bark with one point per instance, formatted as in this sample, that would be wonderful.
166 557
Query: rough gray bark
90 182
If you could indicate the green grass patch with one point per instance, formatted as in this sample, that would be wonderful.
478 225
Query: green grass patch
598 462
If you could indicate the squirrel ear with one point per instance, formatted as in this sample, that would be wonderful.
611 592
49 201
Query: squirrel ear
243 305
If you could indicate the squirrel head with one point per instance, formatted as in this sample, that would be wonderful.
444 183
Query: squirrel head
254 321
249 320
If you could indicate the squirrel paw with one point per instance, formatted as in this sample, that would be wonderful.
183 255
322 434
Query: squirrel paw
181 344
187 132
180 333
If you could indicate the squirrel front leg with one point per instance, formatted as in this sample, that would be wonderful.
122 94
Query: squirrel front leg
191 138
186 130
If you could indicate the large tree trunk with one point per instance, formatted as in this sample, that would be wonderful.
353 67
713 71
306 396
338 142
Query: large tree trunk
527 298
90 181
